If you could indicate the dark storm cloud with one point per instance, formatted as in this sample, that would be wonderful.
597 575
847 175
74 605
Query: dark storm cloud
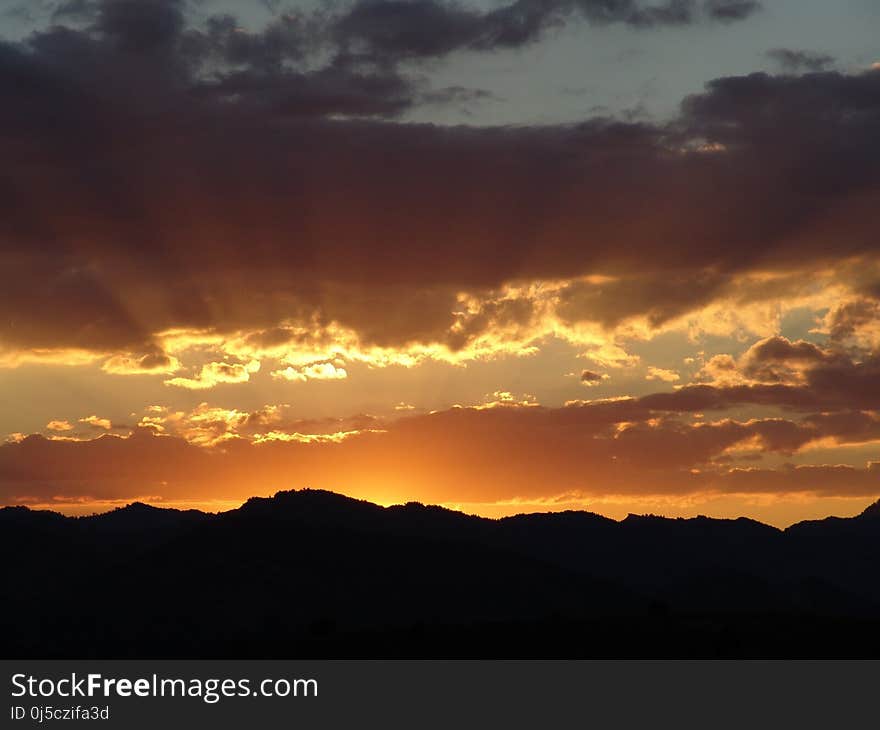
731 10
456 94
793 61
433 28
156 178
401 29
140 27
333 90
751 109
285 38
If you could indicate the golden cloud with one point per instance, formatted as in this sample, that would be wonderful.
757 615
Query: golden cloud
216 373
313 371
59 425
152 363
667 376
97 422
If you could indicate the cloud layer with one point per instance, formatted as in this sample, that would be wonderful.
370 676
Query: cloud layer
163 177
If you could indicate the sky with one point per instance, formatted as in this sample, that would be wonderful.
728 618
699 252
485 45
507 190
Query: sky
516 256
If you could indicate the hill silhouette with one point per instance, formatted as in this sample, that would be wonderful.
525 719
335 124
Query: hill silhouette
315 574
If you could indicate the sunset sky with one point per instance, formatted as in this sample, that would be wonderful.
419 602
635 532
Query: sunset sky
611 255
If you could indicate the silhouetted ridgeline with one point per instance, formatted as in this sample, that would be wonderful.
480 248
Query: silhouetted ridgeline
312 574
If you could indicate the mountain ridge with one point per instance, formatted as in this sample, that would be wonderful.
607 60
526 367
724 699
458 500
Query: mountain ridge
314 573
283 497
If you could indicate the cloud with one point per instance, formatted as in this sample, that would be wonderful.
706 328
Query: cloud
474 454
74 10
820 479
855 323
659 297
731 10
457 94
794 374
308 438
96 422
389 242
398 29
667 376
506 399
779 360
313 371
214 426
152 363
793 61
13 358
330 91
59 425
290 374
135 26
591 378
217 373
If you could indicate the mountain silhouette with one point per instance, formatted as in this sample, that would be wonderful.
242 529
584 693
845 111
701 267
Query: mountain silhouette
140 516
311 573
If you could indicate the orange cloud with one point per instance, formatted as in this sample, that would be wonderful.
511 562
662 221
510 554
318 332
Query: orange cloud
104 423
667 376
508 449
59 425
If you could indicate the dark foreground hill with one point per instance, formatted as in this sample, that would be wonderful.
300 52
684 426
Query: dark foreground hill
316 574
